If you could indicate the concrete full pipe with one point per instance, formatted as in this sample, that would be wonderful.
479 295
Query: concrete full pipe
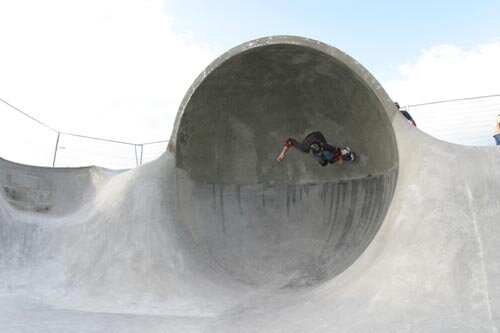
216 236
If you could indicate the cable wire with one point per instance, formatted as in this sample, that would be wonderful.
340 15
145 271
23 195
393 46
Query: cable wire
27 115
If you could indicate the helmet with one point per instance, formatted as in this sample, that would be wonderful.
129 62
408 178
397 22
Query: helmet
315 148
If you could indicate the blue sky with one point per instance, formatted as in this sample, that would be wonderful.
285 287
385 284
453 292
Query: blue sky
379 34
118 69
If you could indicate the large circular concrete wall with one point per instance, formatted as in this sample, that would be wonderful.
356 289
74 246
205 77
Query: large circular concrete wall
264 222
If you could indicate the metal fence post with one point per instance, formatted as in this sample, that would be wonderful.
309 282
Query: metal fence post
55 150
136 158
142 153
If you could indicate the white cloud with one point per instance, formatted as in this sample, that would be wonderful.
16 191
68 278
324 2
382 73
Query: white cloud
446 72
109 68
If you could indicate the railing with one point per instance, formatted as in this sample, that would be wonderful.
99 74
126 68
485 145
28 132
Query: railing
467 121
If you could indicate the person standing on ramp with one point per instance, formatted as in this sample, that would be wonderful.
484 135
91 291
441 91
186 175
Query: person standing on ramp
406 114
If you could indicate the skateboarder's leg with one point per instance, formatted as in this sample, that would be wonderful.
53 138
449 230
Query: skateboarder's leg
348 154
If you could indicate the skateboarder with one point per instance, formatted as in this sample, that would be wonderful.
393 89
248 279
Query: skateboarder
315 144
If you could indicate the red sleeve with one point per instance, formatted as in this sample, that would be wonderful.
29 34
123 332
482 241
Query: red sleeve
338 154
288 143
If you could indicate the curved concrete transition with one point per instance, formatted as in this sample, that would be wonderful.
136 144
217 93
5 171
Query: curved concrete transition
293 224
216 236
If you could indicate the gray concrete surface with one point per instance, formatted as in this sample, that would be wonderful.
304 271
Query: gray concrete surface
216 236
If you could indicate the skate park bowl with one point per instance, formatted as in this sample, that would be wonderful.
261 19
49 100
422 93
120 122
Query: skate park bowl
296 223
217 236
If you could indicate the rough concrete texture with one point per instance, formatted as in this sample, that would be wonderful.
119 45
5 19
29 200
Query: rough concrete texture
216 236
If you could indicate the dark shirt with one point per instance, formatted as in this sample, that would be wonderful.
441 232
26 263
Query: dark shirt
406 115
325 157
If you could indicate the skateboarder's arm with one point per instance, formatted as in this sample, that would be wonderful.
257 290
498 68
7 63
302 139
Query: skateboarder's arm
281 156
291 143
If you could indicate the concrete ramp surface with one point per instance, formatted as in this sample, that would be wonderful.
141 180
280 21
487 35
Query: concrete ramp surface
216 236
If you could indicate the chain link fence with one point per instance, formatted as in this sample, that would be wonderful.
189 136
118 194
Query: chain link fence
466 121
26 140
